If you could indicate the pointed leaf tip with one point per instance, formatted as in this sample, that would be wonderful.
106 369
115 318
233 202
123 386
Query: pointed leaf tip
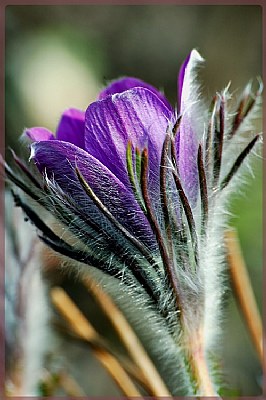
195 56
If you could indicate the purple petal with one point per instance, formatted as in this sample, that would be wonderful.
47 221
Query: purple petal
59 159
191 128
123 84
38 134
136 115
71 127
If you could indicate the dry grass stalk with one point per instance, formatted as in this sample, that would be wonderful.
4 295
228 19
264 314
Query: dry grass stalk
81 326
128 337
243 291
70 386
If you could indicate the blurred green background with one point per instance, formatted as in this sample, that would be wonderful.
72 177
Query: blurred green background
61 56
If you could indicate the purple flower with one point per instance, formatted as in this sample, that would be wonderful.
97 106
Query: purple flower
141 189
137 174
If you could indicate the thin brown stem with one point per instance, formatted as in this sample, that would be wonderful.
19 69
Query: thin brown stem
218 139
203 190
168 263
243 290
85 330
70 386
163 181
246 104
188 213
239 162
210 135
165 194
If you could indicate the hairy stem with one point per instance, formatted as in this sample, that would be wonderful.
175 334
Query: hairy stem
128 337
